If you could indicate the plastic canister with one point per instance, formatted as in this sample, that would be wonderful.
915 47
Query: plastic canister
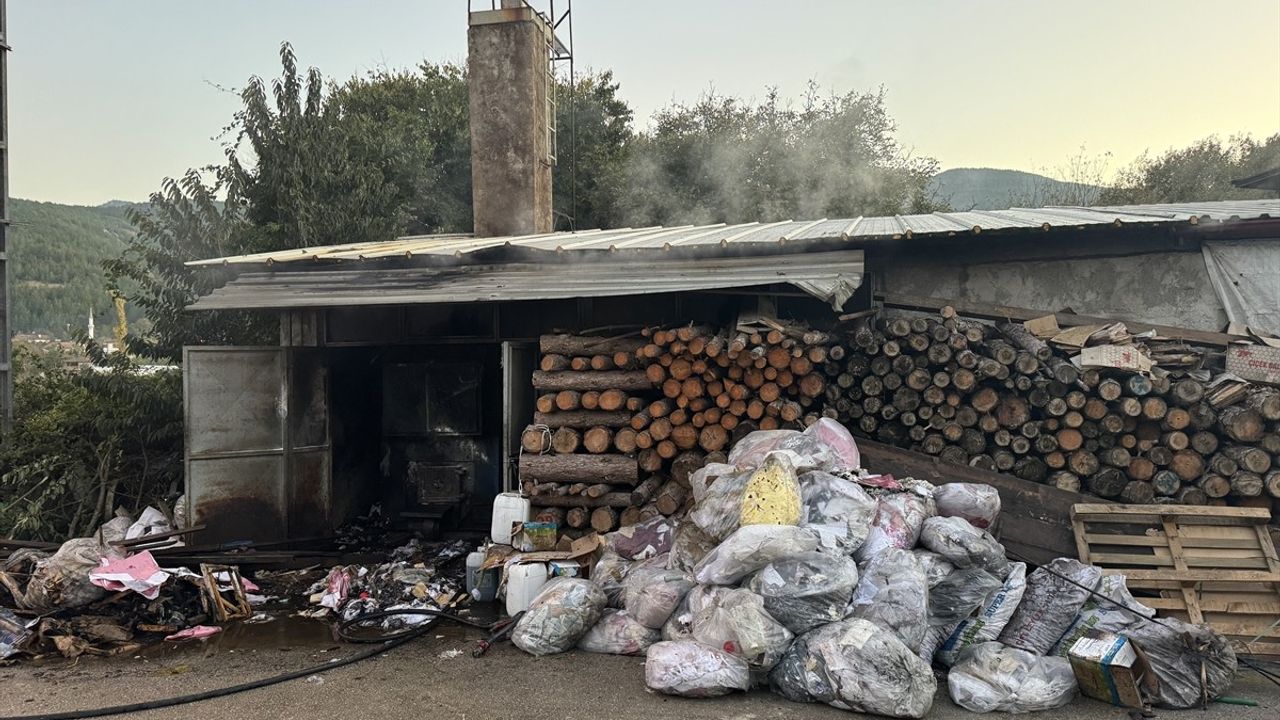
508 508
523 583
482 585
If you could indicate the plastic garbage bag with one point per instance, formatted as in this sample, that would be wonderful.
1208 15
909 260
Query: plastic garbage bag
688 548
61 580
994 613
751 548
1180 656
993 678
719 512
150 522
855 665
749 452
1054 595
680 625
691 669
894 594
839 510
772 495
737 623
935 566
560 614
617 633
653 592
1105 615
975 502
963 544
702 478
897 523
609 573
642 540
829 444
115 529
806 590
959 594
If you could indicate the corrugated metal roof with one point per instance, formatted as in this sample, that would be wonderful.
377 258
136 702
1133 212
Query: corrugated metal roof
829 276
789 232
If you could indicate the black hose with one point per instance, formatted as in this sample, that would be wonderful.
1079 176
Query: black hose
384 644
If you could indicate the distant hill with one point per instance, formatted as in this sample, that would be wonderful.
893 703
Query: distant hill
992 189
55 264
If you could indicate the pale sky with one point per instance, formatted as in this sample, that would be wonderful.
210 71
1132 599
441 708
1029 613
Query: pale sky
110 96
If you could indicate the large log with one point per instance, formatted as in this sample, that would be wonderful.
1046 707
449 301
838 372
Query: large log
587 345
1242 424
582 419
564 441
611 469
617 500
592 380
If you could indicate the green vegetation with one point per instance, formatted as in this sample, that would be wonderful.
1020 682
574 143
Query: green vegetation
1201 171
992 189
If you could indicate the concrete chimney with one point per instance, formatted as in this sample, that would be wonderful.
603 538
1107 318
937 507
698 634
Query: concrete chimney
509 77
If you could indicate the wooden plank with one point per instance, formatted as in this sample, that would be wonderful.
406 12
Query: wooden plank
1159 540
991 311
1271 609
1152 514
1181 563
1117 559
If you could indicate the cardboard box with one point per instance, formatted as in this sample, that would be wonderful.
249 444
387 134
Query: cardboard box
534 536
1256 363
1110 668
566 568
1119 357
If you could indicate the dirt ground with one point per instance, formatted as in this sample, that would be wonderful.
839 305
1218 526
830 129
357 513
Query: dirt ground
428 679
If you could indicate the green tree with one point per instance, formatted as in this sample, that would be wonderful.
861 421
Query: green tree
593 126
1201 171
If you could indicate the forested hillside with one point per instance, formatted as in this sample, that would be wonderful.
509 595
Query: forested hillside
55 271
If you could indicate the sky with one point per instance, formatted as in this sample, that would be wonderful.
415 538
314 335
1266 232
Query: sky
108 97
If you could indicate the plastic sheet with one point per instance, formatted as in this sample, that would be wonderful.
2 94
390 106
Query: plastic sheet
894 594
993 678
680 625
806 590
719 512
643 540
935 566
839 510
609 573
977 503
990 619
563 611
653 592
1103 615
617 633
899 518
691 544
691 669
1054 595
751 548
737 623
772 495
963 544
855 665
1181 655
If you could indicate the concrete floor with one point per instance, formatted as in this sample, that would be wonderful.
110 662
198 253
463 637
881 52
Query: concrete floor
419 681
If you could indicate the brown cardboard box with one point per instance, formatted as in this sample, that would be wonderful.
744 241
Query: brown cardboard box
1110 668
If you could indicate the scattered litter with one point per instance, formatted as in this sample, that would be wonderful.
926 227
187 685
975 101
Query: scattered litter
139 573
449 654
197 632
314 680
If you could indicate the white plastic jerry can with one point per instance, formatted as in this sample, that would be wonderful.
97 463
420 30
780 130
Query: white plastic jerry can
523 583
508 508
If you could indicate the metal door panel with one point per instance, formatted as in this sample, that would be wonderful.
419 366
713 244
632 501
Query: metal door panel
517 404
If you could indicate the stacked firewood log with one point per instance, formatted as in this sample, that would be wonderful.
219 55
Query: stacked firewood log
999 398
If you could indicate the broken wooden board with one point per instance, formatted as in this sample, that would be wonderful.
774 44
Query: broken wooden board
1212 565
1035 520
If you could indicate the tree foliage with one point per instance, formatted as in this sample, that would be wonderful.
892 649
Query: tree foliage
1201 171
593 125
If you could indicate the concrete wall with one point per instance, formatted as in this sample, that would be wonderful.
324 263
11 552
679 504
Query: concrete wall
1166 288
508 67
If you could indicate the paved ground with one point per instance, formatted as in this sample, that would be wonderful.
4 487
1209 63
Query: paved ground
417 681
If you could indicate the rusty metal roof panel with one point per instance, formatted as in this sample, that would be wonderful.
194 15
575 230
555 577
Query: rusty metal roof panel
793 233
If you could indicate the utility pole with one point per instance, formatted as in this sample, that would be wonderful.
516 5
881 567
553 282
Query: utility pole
6 349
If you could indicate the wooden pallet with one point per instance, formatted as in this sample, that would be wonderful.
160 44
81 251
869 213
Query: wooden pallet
1212 565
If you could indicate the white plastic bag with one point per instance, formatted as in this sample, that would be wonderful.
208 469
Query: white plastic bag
977 503
561 613
1191 662
653 592
855 665
898 520
737 623
839 510
680 625
993 678
829 444
1105 615
806 590
61 580
691 669
963 544
609 573
617 633
894 594
751 548
1055 593
990 619
935 566
690 545
719 512
702 478
749 452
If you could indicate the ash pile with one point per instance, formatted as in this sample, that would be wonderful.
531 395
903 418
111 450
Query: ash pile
798 571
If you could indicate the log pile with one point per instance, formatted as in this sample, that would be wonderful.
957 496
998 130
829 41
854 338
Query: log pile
999 398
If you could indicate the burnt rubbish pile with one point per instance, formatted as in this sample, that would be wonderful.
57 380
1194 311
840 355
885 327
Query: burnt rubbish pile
798 571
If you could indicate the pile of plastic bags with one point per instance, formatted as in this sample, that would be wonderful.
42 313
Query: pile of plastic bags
800 572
